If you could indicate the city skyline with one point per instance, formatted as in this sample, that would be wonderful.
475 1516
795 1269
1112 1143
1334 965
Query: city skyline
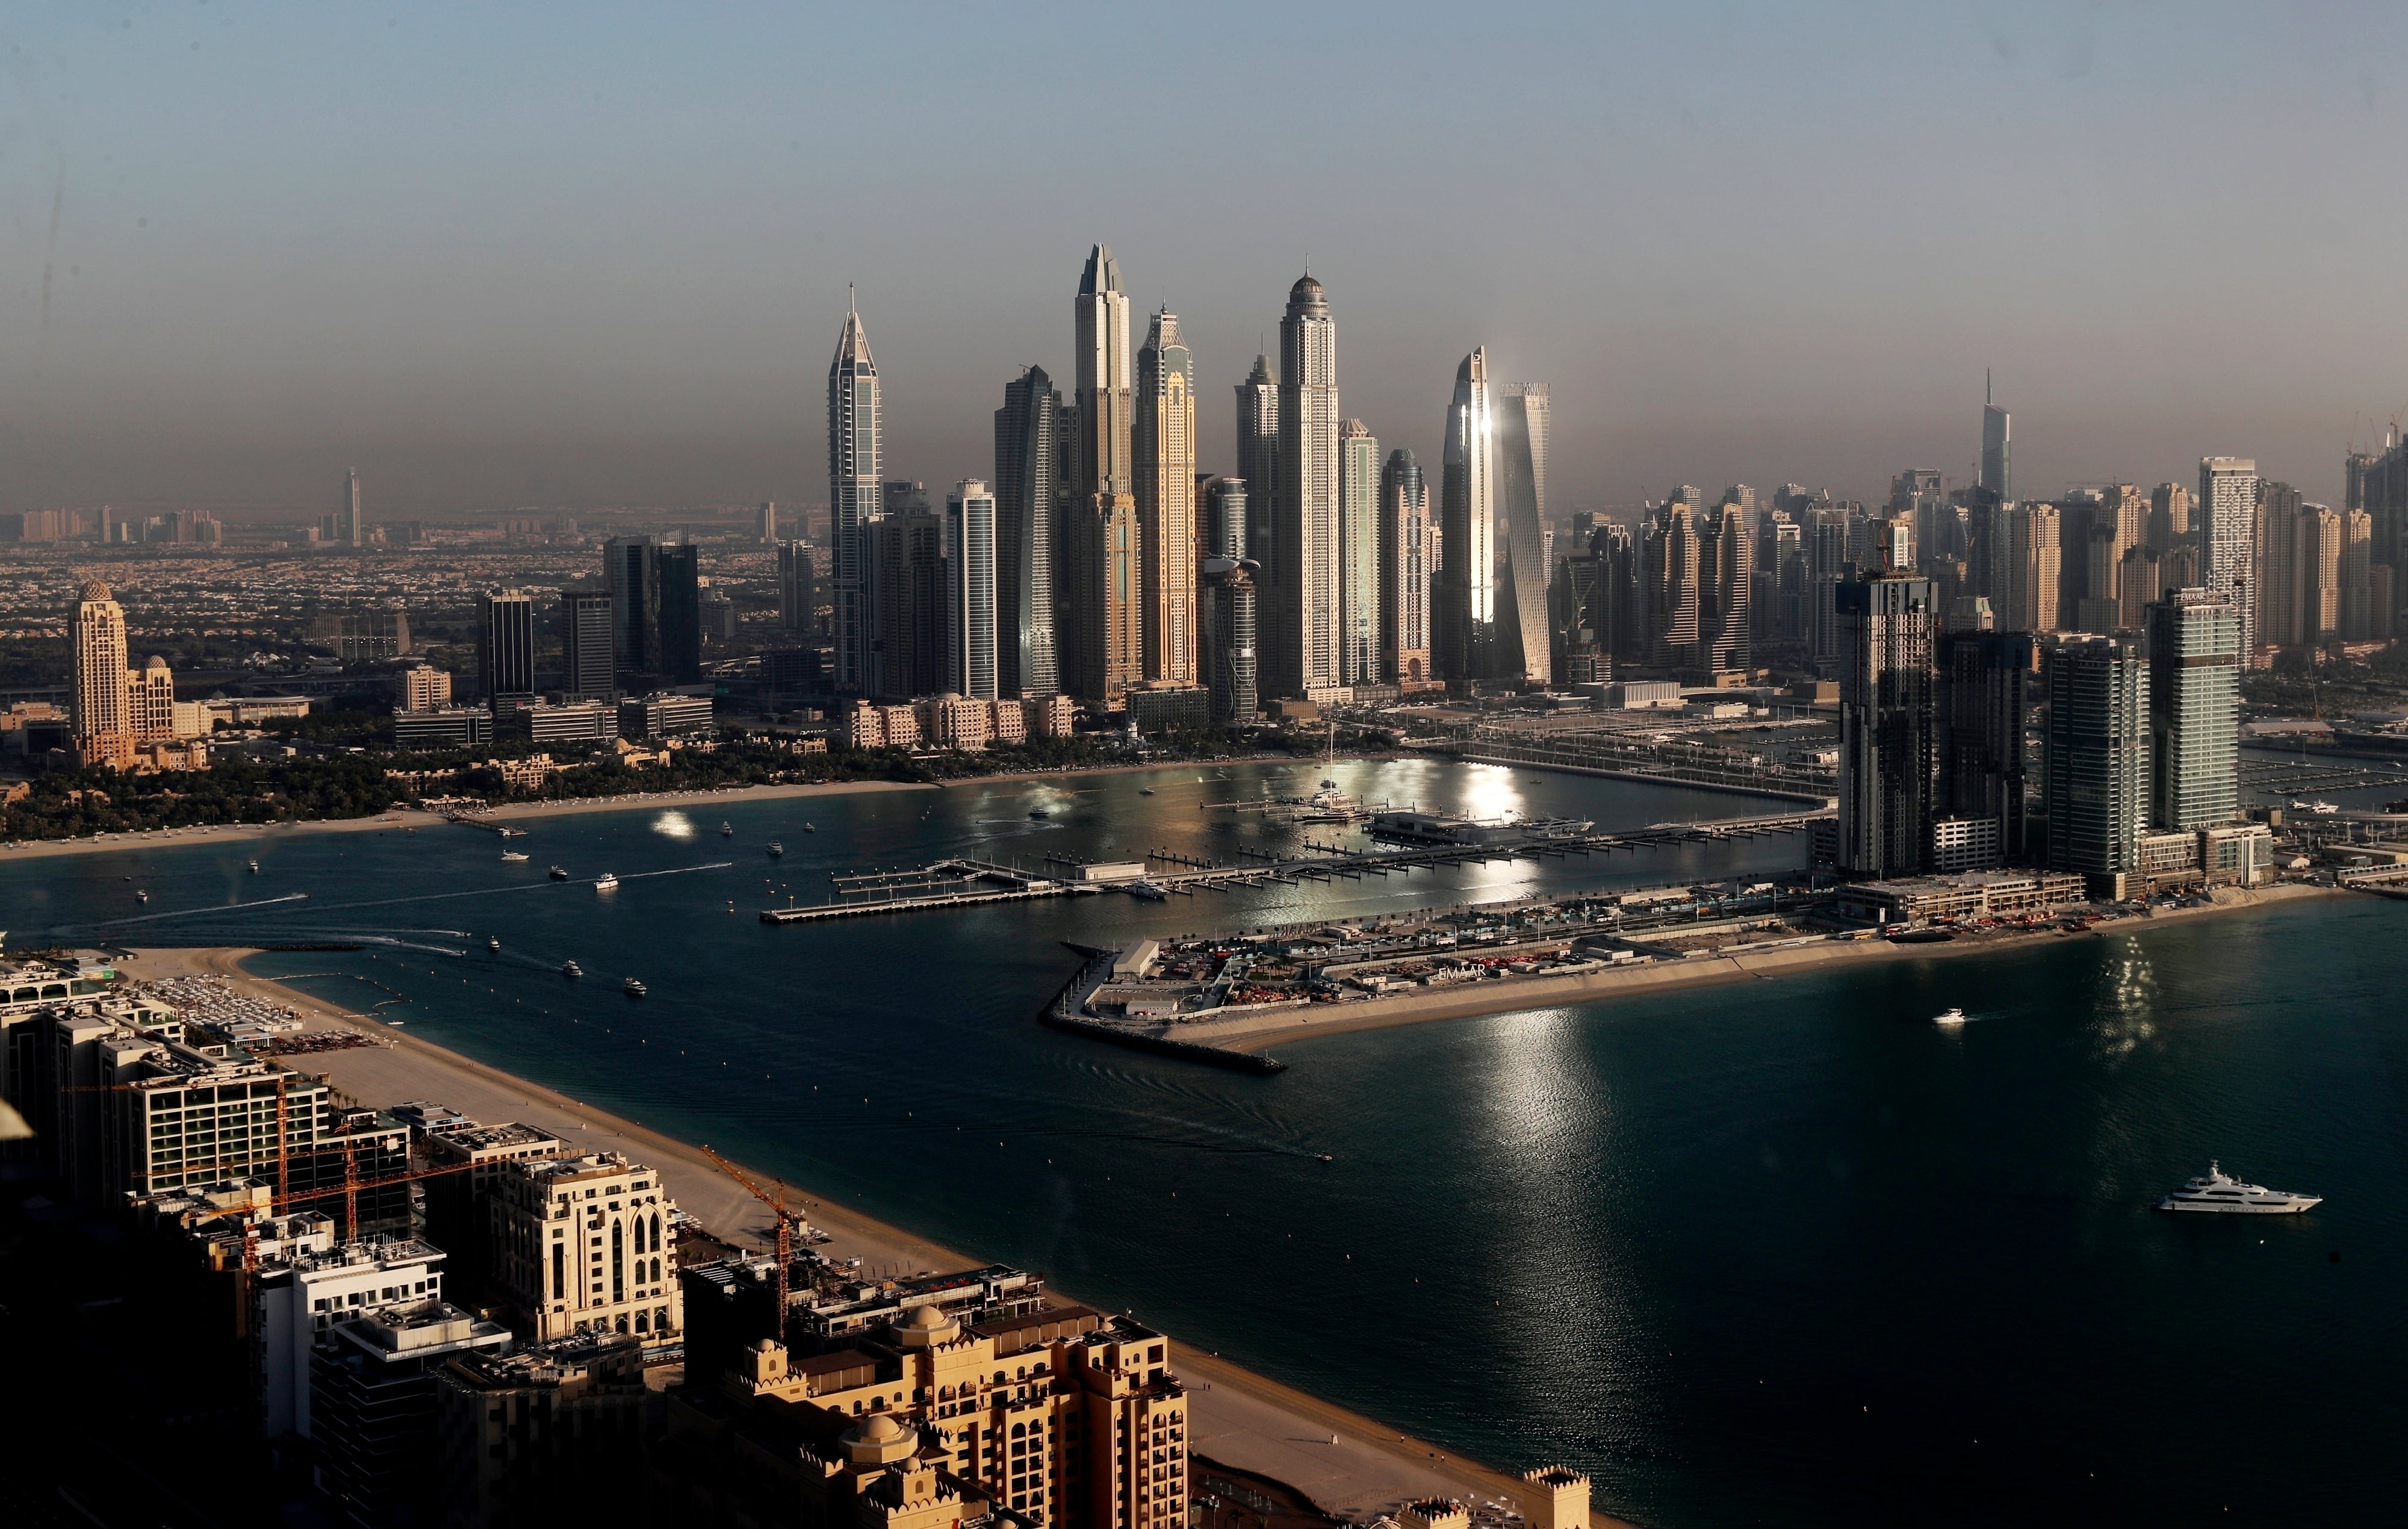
464 362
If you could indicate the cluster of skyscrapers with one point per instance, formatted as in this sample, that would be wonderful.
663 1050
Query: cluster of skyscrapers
1099 562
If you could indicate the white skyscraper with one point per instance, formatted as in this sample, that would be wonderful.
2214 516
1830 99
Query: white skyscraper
970 591
1300 643
354 535
853 464
2226 512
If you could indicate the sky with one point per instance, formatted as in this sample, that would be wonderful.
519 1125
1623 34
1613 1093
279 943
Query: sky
502 255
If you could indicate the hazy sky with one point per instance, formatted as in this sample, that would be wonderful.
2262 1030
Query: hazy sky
500 254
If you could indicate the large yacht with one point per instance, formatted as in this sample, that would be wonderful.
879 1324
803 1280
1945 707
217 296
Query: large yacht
2220 1190
606 882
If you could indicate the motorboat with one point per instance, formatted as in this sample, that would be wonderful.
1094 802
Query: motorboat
809 829
570 968
558 874
1148 890
727 829
633 989
1145 790
1040 812
492 942
254 867
2323 810
1949 1016
513 854
606 882
2220 1191
141 896
776 849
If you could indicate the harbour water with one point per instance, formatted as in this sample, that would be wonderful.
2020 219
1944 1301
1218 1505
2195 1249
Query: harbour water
1782 1252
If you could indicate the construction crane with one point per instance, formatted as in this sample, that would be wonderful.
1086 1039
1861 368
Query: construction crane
777 1203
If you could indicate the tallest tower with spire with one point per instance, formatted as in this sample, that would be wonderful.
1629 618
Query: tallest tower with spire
853 474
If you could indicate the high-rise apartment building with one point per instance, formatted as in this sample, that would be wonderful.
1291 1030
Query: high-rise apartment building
1164 450
1522 416
1823 540
99 703
1228 619
765 529
1464 622
1406 563
798 595
1676 623
587 1245
855 497
2358 577
1725 581
1101 591
1299 645
2095 773
354 534
1258 455
2195 663
1997 483
150 701
905 606
1985 698
1029 497
2027 552
971 636
2169 518
587 671
1358 557
506 645
2227 512
631 574
1887 744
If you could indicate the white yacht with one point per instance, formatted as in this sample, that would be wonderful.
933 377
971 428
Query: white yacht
1950 1016
2219 1191
514 855
606 882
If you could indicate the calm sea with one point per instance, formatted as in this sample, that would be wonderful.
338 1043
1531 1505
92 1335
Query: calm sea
1774 1253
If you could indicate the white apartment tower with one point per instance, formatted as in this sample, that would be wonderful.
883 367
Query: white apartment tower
970 650
1300 644
853 467
100 704
2226 510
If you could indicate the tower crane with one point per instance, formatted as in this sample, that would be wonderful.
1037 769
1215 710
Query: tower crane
777 1204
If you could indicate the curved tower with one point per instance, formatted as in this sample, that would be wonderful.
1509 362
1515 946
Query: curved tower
1166 501
1465 620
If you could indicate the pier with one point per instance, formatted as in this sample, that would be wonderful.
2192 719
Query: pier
960 881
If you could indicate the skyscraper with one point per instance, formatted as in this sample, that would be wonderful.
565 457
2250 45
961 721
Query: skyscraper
1359 556
2194 710
1887 744
1520 417
1300 648
100 705
587 671
1102 592
2169 518
1725 580
2357 576
1029 495
1166 502
1675 611
1465 620
1825 541
2095 756
765 532
1258 455
506 645
631 572
906 604
679 571
1230 636
2227 512
798 595
1405 567
854 497
970 626
354 534
1996 481
1985 695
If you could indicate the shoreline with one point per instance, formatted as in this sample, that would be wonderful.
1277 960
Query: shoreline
1257 1032
1353 1466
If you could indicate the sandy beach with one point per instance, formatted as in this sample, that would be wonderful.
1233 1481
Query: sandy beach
1351 1464
1281 1027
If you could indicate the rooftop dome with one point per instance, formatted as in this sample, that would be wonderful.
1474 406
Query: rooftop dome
878 1440
924 1326
156 663
1304 291
879 1428
95 590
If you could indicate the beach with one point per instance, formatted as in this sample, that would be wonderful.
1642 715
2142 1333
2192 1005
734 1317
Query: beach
1352 1466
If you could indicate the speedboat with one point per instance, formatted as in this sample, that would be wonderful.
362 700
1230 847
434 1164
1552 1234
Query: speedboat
1145 790
632 988
141 896
727 829
2219 1191
1950 1016
492 942
809 829
254 867
1040 812
559 875
1148 890
606 882
776 849
570 968
2323 810
513 854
